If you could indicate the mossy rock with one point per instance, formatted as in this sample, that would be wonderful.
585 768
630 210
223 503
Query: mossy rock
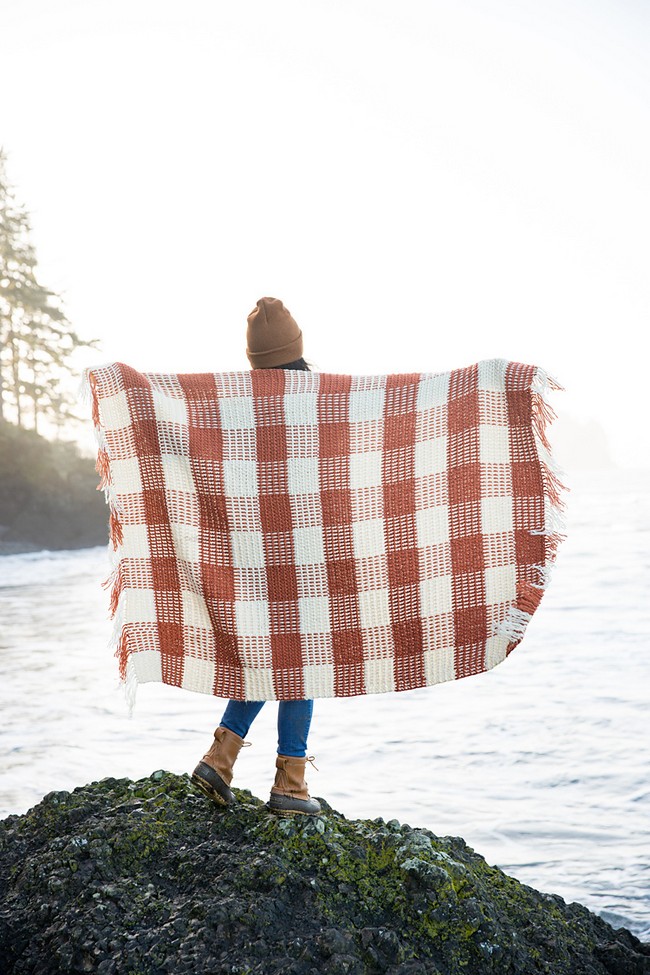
148 877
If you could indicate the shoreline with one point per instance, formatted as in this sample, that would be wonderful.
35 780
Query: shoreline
30 548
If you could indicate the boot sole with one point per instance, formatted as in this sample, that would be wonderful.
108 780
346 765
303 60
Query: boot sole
281 809
288 813
212 785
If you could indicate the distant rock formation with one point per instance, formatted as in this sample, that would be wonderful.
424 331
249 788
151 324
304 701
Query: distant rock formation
48 494
147 877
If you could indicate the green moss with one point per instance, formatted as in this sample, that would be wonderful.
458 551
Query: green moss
150 874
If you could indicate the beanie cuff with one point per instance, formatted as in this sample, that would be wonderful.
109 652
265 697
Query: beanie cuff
272 358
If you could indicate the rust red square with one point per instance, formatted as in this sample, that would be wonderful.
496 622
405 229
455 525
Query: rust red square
470 625
464 483
287 651
399 498
341 576
334 439
526 480
467 554
206 444
336 507
271 444
275 513
218 581
282 582
403 567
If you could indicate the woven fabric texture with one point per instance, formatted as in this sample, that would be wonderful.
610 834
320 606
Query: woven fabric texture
286 535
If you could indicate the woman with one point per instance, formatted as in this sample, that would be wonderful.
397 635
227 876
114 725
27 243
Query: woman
274 341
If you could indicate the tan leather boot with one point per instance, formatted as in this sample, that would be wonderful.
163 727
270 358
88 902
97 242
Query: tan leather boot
289 795
213 774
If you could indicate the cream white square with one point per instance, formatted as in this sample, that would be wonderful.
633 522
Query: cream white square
115 412
432 525
126 475
177 472
501 584
365 469
169 408
435 596
430 456
300 409
314 614
252 617
492 374
198 675
433 391
379 675
135 544
374 608
497 515
495 650
439 665
237 412
302 475
368 537
366 404
247 550
186 542
146 665
139 606
258 684
318 680
494 444
308 545
240 478
195 612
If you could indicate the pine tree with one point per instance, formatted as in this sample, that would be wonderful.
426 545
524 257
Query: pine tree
36 338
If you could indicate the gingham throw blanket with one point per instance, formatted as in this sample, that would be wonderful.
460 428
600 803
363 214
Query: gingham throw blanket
284 534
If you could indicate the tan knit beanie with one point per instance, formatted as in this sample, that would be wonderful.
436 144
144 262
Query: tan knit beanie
273 338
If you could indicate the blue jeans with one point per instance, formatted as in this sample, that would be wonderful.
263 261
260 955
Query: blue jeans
294 719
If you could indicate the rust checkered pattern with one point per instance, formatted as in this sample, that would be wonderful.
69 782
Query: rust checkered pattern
284 535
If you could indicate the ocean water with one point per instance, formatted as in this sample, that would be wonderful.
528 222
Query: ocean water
541 764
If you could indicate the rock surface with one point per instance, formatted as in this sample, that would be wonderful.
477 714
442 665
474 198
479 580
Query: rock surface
148 877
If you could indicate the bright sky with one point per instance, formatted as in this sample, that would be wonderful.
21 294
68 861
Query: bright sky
424 183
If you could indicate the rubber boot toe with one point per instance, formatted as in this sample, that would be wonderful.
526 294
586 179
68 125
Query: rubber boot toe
211 783
292 806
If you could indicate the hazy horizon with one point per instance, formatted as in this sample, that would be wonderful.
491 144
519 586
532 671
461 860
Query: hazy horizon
424 186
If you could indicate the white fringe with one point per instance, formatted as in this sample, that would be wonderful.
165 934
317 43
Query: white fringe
130 687
545 573
544 384
554 519
514 625
84 393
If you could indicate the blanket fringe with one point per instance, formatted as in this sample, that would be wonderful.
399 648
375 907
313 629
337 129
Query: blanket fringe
529 594
130 687
115 581
514 625
543 415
